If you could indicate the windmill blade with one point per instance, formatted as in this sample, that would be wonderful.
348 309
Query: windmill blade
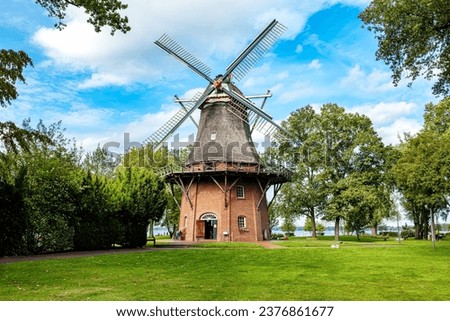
164 132
254 120
255 50
240 105
174 49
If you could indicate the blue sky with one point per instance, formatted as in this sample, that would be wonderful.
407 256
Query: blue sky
102 86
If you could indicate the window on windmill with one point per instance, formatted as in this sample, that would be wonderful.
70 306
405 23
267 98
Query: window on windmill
240 191
213 135
242 224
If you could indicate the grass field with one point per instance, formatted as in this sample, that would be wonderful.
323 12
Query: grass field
303 269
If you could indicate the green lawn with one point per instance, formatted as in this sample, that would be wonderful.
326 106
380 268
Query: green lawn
304 269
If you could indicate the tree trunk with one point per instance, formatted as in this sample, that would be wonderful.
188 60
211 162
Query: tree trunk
336 229
433 230
150 230
313 224
374 229
417 235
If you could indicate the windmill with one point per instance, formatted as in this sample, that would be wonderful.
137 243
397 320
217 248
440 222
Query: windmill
224 181
240 104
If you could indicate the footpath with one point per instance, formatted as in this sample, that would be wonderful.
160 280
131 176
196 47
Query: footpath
165 245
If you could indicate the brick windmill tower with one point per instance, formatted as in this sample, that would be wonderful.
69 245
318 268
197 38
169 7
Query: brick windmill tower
224 181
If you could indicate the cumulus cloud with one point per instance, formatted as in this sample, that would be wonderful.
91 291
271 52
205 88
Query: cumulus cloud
383 112
392 133
361 81
198 25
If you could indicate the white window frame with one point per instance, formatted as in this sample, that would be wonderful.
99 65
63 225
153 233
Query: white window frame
242 222
240 191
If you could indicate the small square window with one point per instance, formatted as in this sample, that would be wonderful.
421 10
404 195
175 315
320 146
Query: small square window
240 191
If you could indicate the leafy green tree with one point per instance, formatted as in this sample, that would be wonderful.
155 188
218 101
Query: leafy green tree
288 226
335 155
320 228
412 38
423 169
158 161
354 154
52 186
305 194
100 163
12 64
96 222
13 220
100 13
141 199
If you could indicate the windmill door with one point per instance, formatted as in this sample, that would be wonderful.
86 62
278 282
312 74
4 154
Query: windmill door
207 227
200 233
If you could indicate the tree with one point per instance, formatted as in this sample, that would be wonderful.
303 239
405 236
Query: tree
288 226
96 222
320 228
335 154
13 221
99 162
304 195
423 169
100 13
412 39
141 199
12 64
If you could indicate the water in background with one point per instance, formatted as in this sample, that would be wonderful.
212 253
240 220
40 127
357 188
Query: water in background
329 231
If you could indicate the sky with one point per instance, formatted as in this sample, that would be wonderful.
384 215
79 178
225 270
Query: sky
113 88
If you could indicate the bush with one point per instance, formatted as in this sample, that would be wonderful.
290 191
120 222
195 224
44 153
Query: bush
277 236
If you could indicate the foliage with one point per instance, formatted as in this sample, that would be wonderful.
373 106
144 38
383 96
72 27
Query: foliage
305 195
142 199
100 13
96 224
341 168
52 202
99 162
412 39
12 215
423 168
308 226
12 64
288 226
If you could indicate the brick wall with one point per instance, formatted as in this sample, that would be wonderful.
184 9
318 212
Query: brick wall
207 197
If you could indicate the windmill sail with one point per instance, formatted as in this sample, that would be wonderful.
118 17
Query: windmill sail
174 49
265 126
164 132
255 50
239 105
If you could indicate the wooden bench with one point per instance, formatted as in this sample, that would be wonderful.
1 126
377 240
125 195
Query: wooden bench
152 239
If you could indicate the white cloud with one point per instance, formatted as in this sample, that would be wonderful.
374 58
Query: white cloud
392 133
384 112
198 25
315 64
361 82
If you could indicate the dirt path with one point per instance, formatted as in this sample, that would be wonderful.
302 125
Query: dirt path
166 245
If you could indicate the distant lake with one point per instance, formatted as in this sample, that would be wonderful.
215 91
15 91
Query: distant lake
329 231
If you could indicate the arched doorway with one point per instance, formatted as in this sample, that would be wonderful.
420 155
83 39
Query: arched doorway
207 226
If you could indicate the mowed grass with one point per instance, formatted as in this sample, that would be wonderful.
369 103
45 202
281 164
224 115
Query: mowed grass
304 269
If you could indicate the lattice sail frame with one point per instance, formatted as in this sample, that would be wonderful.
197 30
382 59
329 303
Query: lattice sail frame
239 104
